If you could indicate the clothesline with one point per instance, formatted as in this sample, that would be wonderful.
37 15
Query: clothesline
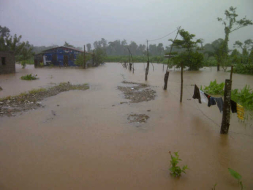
204 97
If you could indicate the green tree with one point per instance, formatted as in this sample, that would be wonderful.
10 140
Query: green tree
189 57
231 24
88 47
251 58
22 50
235 57
246 48
79 59
100 55
4 31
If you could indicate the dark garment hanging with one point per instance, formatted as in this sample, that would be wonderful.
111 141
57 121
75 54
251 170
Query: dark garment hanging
233 106
219 103
196 94
211 101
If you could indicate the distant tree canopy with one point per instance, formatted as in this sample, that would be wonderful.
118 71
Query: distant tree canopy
22 50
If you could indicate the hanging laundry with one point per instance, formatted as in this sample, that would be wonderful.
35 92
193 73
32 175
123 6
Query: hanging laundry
240 111
233 106
203 96
219 102
211 101
196 94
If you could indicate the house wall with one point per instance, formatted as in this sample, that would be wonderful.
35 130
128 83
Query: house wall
56 56
7 62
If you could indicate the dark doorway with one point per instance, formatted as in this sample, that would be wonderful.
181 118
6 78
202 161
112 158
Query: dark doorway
54 59
65 60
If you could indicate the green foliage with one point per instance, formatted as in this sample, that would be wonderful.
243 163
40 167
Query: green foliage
231 24
243 96
136 59
80 58
195 61
214 186
243 69
214 88
100 55
209 61
189 57
23 63
29 77
175 169
22 50
237 176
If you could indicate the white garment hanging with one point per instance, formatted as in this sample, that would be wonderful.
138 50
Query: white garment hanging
203 97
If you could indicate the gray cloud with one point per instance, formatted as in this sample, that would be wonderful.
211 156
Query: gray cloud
80 22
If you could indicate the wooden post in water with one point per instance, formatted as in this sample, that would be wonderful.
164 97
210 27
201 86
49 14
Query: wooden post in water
93 58
226 108
231 73
84 61
182 81
147 68
166 76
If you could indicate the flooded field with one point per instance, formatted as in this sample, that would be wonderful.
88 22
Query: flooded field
84 140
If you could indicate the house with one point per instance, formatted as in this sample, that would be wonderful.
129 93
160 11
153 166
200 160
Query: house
58 56
7 62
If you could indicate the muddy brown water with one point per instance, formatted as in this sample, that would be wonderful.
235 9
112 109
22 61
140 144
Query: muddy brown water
89 143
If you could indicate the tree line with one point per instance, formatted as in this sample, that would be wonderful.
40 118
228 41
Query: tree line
187 49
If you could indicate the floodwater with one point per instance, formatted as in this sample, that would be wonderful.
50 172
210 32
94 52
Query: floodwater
89 143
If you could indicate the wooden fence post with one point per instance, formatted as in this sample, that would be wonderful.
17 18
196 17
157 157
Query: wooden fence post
182 81
147 68
166 77
226 108
231 73
93 58
84 61
130 66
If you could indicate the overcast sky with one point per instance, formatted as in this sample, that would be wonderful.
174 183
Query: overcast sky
48 22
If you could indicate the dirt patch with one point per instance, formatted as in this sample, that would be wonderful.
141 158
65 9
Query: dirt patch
27 101
138 92
137 118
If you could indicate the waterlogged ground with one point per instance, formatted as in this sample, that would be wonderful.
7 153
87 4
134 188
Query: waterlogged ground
84 140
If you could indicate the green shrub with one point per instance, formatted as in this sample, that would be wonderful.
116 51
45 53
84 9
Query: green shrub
214 88
243 69
80 58
243 96
29 77
237 176
175 169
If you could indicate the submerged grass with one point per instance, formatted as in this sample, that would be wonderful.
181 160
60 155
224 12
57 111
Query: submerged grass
29 77
38 94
